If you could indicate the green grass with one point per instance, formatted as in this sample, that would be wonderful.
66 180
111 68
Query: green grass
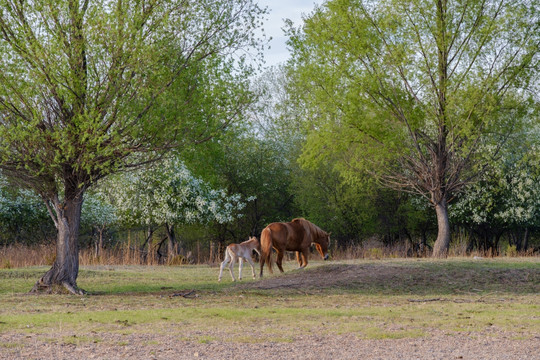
389 299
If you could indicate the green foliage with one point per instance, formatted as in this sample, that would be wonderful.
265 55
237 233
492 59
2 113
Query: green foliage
386 83
86 85
511 251
414 92
507 196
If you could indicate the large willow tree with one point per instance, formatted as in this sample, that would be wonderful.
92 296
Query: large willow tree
85 85
412 91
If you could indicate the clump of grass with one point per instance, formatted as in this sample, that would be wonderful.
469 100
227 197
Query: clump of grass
511 251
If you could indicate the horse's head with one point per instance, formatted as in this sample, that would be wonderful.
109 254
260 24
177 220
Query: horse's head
322 243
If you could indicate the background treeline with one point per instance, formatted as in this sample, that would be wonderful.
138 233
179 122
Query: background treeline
187 207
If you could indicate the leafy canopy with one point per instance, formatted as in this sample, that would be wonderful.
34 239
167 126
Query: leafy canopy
85 84
412 90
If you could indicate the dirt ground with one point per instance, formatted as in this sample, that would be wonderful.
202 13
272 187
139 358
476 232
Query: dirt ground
489 345
439 346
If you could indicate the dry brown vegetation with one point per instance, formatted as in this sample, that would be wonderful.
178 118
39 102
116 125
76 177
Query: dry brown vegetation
16 256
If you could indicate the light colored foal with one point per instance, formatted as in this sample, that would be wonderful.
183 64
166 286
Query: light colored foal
240 252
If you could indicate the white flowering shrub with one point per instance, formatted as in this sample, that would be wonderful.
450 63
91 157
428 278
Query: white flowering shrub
168 193
508 195
97 212
23 216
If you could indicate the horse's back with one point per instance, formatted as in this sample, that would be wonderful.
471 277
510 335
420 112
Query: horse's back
288 236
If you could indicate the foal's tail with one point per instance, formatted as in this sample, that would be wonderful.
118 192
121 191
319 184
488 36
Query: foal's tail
266 250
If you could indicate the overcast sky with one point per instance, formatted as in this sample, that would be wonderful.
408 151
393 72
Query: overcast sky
279 10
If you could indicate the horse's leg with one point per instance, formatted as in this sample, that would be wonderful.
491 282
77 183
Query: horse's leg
231 265
299 259
240 265
305 253
279 260
223 264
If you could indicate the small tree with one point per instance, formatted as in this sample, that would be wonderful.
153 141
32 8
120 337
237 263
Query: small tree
86 84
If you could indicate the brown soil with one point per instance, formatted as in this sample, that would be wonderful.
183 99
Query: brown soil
439 346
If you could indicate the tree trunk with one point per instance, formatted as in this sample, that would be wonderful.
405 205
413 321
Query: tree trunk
171 242
65 269
525 243
442 244
99 241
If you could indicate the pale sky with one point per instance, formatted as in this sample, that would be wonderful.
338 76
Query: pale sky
279 10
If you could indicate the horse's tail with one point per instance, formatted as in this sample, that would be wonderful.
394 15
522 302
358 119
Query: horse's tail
266 250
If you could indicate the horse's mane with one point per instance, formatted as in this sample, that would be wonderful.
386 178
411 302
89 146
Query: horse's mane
314 229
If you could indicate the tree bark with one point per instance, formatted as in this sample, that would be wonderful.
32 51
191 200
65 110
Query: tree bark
65 269
442 244
172 249
99 241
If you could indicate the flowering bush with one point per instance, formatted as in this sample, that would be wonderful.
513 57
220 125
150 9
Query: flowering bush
168 193
507 195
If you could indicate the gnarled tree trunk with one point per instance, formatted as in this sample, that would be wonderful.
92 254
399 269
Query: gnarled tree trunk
65 269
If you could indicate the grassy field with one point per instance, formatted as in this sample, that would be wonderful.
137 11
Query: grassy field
384 299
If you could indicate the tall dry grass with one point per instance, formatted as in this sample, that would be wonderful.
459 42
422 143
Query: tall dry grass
15 256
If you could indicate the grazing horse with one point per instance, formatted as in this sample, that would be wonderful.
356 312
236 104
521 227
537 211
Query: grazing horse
240 251
296 235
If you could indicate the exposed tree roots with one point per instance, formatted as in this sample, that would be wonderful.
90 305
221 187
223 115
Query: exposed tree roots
62 288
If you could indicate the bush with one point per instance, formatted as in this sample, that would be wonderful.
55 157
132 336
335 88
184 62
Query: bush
511 251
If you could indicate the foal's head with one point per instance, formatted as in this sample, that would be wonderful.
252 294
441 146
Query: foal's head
256 244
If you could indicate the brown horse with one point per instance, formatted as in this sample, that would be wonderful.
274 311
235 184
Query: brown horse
296 235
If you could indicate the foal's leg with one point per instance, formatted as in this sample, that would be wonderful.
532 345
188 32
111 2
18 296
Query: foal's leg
250 261
231 265
240 265
223 264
